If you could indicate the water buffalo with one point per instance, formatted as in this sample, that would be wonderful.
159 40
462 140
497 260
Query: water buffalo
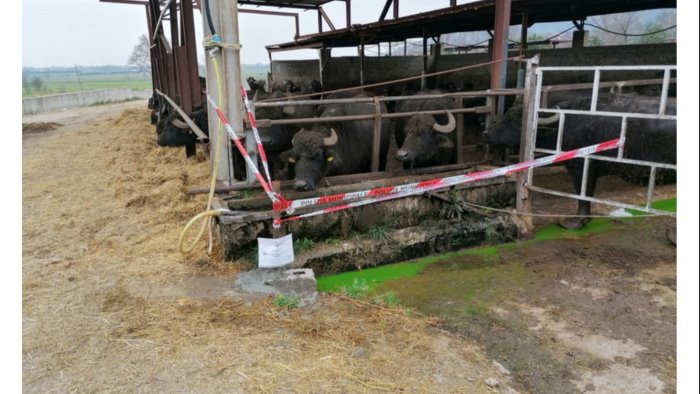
336 148
172 131
646 139
426 140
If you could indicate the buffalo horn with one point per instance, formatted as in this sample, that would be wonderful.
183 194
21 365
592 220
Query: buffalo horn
548 119
180 124
447 128
332 140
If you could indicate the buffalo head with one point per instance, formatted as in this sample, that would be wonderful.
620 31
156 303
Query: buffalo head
424 138
506 130
312 154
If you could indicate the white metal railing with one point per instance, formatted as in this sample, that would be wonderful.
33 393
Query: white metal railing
530 132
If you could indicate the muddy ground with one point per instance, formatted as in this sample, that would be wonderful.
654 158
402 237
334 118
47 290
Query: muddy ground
110 305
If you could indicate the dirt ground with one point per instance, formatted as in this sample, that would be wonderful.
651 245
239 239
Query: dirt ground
110 305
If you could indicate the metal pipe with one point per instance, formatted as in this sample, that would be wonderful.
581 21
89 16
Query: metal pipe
607 68
274 122
560 131
523 33
664 91
326 18
588 85
616 160
596 87
500 49
385 10
623 135
476 93
607 113
584 177
160 19
362 62
348 19
376 135
652 184
599 201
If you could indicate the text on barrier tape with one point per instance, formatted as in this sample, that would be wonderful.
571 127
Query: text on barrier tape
390 193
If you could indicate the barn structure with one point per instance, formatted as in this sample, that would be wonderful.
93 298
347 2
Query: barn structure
480 84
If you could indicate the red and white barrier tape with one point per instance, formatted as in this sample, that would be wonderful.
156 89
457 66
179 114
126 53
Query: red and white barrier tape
390 193
275 197
254 125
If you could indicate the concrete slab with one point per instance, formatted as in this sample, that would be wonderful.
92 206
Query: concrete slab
298 282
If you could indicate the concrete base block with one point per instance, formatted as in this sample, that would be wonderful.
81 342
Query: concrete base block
298 282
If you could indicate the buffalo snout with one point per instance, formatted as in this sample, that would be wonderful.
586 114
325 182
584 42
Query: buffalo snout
301 185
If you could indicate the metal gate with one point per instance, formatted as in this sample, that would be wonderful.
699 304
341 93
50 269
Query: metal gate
532 109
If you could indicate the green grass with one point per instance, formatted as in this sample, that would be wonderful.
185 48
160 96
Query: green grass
64 82
285 301
303 244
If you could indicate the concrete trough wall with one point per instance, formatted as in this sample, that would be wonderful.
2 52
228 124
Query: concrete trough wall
345 71
59 102
420 213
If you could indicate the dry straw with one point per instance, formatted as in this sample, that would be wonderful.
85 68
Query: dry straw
109 305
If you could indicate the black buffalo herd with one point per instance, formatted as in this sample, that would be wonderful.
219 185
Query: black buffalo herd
307 153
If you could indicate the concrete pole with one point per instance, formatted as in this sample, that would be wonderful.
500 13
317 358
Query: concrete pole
232 69
224 171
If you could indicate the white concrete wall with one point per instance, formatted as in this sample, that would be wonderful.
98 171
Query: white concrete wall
57 102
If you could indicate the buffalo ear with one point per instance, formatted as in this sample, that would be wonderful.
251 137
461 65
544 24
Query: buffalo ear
288 156
444 142
330 156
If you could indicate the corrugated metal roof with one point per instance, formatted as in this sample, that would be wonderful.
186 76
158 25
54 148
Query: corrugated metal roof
477 16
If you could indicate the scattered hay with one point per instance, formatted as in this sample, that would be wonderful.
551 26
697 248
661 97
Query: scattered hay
119 316
39 127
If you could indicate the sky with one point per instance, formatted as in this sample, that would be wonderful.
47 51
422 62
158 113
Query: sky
90 33
44 33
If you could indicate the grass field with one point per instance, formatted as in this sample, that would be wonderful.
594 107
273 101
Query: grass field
57 81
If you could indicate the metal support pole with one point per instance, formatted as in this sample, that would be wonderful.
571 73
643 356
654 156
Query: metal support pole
423 80
376 135
500 49
523 34
362 62
348 18
460 132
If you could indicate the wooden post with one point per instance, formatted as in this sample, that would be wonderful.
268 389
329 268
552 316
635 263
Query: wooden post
527 138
